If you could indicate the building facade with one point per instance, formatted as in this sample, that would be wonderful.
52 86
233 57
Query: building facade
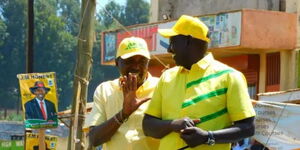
270 68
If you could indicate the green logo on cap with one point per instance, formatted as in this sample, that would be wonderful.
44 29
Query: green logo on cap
133 45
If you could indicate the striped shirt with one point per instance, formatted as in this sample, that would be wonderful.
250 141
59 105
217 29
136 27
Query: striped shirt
210 90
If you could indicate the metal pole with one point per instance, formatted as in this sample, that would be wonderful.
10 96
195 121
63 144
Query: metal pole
30 34
29 45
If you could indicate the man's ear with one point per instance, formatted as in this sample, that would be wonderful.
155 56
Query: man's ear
116 61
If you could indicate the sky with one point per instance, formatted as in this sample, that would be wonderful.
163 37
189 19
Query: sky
104 2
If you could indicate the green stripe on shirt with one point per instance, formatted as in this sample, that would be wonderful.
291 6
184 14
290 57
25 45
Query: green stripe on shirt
203 79
204 96
213 115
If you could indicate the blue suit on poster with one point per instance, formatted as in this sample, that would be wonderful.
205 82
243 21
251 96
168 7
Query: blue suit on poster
32 107
33 111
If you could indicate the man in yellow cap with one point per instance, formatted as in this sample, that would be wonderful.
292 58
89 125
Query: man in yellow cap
201 103
119 105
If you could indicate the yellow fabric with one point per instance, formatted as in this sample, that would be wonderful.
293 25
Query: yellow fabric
187 25
172 92
108 100
133 46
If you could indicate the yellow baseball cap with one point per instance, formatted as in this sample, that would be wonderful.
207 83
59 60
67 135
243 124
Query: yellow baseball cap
187 25
133 46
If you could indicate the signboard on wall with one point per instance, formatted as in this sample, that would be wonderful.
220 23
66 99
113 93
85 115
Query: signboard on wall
225 31
110 46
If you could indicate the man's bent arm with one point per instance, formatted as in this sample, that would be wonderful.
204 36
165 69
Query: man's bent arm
195 136
240 130
155 127
103 132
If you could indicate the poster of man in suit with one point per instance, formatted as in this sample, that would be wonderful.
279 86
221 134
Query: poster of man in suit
39 99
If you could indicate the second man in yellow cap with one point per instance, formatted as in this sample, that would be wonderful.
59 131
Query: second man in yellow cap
116 118
200 104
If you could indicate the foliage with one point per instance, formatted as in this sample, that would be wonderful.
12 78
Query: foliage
135 12
14 117
55 43
12 54
3 33
112 9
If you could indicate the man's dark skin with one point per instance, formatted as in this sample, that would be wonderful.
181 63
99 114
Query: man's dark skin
134 72
186 51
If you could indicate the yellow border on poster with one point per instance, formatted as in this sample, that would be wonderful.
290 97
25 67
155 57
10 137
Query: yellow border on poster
32 140
27 81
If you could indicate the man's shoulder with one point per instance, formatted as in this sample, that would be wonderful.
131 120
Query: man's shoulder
108 85
219 67
110 82
153 79
48 101
172 71
30 102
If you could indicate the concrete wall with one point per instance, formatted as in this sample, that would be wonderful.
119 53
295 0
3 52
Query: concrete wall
175 8
298 14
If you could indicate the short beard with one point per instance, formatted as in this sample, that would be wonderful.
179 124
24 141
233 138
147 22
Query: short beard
40 96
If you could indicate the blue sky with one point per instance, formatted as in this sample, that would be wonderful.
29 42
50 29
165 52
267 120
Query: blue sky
104 2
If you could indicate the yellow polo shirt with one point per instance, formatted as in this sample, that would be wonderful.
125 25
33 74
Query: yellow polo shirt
210 90
108 100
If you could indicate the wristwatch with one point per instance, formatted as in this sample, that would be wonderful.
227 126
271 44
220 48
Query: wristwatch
210 140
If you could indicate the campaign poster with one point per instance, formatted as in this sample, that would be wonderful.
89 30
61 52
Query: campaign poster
225 29
110 46
32 142
276 125
39 99
12 145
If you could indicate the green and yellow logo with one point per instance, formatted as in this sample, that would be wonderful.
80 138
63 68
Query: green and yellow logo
133 45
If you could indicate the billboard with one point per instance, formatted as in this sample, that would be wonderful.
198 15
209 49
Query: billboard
39 99
225 31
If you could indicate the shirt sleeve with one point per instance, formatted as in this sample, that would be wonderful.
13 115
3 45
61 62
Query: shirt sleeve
97 115
154 108
238 101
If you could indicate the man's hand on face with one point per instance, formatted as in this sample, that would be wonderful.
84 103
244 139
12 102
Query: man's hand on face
180 124
194 136
129 87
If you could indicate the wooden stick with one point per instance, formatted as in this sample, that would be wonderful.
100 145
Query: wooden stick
75 121
42 139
